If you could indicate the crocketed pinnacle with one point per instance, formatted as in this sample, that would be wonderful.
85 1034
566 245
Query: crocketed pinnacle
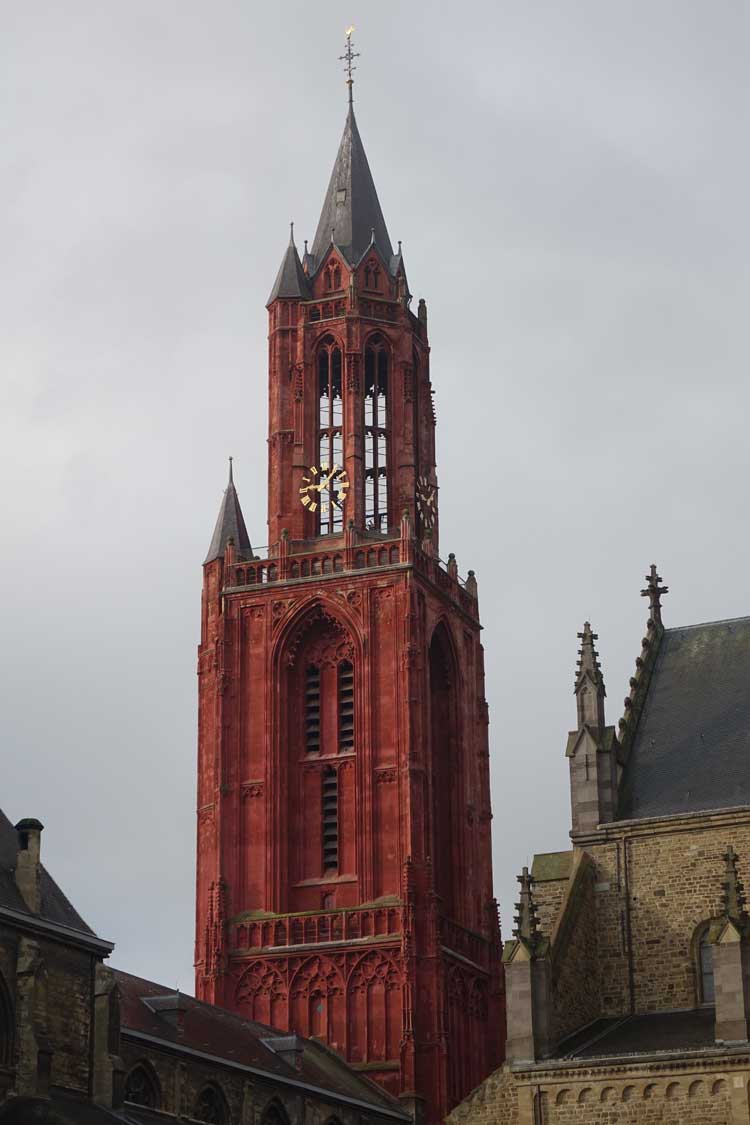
733 899
351 217
588 658
229 525
527 924
654 592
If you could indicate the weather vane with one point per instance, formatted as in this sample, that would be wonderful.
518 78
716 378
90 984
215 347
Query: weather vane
348 58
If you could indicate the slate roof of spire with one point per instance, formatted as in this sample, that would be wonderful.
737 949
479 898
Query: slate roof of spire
290 281
351 209
229 525
692 744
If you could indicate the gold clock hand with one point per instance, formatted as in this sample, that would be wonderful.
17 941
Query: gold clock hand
324 483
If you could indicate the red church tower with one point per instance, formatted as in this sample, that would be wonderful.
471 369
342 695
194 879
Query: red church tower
344 884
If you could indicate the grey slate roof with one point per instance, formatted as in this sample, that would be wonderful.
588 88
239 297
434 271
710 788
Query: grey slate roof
290 281
149 1010
351 209
692 745
55 906
642 1034
229 525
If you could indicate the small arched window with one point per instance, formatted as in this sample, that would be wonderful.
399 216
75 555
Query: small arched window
141 1087
376 434
329 502
274 1115
705 968
211 1107
6 1025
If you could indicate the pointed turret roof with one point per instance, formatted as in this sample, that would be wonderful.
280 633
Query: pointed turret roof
351 217
229 525
291 280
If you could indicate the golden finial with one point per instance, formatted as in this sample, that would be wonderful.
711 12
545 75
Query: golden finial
348 58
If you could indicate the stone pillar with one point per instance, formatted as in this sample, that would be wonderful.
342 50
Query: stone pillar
528 984
528 1004
731 955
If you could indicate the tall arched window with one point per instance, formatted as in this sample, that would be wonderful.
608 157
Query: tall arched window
705 969
376 434
330 441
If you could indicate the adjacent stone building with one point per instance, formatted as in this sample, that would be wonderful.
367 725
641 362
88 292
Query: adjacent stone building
627 978
83 1043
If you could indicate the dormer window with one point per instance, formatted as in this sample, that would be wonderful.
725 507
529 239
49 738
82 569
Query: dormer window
341 195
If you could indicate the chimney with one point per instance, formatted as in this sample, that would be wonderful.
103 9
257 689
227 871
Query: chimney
28 867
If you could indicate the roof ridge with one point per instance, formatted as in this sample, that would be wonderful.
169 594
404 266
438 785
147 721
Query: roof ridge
703 624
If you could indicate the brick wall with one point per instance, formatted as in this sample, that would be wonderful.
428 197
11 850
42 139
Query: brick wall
635 1098
548 897
674 878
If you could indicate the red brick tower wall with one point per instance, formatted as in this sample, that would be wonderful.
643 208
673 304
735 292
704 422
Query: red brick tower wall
344 884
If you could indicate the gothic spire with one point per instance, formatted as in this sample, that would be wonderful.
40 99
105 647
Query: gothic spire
589 683
291 281
351 216
229 525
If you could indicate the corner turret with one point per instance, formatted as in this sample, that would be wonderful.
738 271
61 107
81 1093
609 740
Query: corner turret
592 748
229 526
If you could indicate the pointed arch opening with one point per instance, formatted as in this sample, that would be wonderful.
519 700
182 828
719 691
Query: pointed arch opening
376 407
211 1106
319 724
274 1114
328 504
142 1086
445 749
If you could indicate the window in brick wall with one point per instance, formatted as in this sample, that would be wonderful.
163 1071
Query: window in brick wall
707 994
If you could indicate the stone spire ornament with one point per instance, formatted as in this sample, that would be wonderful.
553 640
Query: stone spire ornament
654 592
527 923
733 898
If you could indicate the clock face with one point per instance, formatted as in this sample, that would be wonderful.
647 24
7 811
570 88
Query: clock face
325 487
426 501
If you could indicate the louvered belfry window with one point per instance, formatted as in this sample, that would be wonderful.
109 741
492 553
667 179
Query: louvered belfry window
312 709
376 435
330 820
346 707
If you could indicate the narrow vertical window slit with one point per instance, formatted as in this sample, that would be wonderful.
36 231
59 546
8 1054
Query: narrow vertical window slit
346 707
330 821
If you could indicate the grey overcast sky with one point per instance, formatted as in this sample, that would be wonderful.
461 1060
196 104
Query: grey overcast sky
571 183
